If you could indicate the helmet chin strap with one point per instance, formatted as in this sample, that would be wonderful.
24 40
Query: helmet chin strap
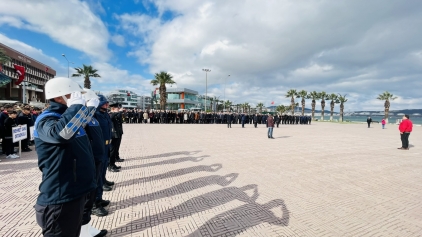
64 98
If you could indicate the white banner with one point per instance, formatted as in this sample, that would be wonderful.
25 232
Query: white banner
19 133
31 132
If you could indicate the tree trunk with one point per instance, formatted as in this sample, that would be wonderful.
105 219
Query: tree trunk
322 109
386 110
163 98
87 83
293 105
313 109
332 110
341 111
303 106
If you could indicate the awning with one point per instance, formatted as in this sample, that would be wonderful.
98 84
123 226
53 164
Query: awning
4 80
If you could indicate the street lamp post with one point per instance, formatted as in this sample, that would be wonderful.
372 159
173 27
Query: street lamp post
225 92
67 64
206 86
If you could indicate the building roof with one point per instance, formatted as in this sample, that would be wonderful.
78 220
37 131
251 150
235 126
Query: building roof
180 90
26 59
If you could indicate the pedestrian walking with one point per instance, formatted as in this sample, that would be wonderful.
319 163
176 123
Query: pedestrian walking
405 128
383 123
270 124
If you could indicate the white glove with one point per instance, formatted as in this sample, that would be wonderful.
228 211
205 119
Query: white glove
75 99
93 103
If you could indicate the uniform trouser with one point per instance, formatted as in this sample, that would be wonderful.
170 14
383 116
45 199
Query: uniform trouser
103 171
90 198
114 150
62 220
405 140
255 124
243 124
229 125
7 145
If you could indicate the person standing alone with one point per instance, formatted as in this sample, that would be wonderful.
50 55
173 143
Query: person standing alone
369 121
270 124
405 130
383 123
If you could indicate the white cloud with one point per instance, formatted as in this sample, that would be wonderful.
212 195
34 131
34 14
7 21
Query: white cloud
69 22
351 47
119 40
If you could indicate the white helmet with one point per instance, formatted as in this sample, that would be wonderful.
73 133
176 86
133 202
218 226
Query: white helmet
61 86
89 94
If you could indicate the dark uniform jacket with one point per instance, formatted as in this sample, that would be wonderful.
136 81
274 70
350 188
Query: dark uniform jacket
95 135
106 125
64 154
117 127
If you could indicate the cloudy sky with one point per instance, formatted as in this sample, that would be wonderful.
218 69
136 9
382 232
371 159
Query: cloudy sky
354 47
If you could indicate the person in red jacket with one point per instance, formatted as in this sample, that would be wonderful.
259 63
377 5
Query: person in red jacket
405 130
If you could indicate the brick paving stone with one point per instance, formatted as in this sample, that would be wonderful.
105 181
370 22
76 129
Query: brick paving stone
206 180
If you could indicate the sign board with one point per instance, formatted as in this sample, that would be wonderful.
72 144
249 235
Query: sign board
19 133
31 132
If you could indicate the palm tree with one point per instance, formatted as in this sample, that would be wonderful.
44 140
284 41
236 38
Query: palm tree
228 105
342 99
162 79
334 100
304 95
260 105
292 93
387 96
323 96
245 106
3 57
282 109
314 96
87 72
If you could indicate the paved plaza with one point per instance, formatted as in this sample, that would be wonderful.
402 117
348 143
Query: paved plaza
206 180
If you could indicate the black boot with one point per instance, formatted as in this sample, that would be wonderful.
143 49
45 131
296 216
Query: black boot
113 168
103 203
107 188
98 210
109 183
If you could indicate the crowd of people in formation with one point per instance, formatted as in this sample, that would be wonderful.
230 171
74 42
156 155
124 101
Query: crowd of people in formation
77 140
174 117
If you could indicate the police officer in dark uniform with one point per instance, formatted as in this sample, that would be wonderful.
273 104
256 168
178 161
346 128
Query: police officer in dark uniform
95 135
65 158
117 133
229 120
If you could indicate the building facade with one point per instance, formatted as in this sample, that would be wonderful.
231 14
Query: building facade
180 98
144 102
128 99
36 75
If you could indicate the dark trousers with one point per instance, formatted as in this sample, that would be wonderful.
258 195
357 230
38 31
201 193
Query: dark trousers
114 150
405 140
62 220
8 146
90 198
229 125
103 171
243 124
255 124
369 125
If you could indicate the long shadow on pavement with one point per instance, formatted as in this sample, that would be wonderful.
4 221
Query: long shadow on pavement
195 205
174 173
184 187
163 155
235 221
167 162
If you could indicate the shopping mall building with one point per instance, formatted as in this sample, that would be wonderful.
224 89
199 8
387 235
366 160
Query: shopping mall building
36 75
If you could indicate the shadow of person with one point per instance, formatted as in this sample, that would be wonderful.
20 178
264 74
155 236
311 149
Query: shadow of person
167 162
235 221
197 204
188 153
180 189
173 173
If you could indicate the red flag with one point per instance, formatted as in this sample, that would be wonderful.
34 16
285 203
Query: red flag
21 71
128 94
272 102
46 69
